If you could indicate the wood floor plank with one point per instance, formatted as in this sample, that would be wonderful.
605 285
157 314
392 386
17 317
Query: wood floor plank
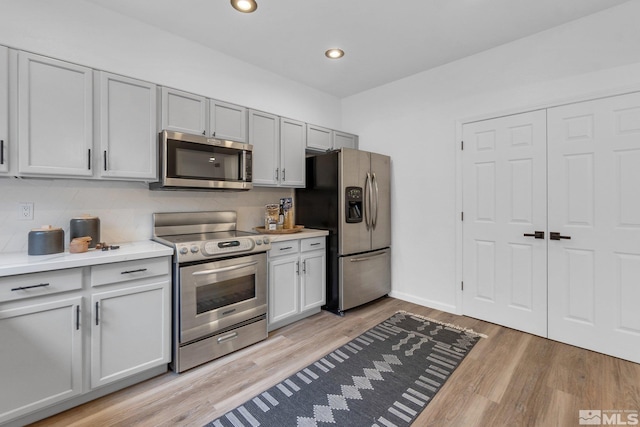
508 379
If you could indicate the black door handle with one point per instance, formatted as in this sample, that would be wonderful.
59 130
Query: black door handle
536 234
556 236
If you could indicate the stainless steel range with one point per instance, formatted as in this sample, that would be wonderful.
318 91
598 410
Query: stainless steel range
219 284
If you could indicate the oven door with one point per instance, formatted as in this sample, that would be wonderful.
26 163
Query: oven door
220 294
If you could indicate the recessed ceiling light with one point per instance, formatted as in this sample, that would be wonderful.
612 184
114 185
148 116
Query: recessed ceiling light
245 6
334 53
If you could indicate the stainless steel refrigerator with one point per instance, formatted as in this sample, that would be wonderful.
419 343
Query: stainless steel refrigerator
348 193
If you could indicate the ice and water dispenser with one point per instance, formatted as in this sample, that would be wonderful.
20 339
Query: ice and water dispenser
353 204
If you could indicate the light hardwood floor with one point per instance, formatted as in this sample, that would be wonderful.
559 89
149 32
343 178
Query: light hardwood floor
508 379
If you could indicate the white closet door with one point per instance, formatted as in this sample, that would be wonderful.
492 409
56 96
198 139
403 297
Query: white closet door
594 198
504 198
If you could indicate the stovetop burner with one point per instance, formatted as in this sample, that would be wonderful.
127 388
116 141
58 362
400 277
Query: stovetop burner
198 236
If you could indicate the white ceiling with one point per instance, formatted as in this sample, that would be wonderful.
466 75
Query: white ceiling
384 40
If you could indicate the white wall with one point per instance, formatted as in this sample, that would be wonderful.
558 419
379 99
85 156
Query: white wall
80 32
414 121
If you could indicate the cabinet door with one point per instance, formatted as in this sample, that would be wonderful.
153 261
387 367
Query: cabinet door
184 112
594 266
284 295
341 139
40 356
227 121
4 109
127 127
55 117
293 137
504 203
264 135
319 138
130 331
313 280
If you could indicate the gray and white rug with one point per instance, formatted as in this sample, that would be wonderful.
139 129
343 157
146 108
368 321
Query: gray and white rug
385 377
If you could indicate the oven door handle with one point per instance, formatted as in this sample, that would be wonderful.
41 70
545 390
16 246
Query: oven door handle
223 269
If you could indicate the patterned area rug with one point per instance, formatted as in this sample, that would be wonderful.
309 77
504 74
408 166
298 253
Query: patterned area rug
384 377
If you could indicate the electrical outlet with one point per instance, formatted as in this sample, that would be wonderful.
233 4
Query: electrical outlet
25 211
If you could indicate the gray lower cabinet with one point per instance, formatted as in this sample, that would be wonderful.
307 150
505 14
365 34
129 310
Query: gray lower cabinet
71 333
297 278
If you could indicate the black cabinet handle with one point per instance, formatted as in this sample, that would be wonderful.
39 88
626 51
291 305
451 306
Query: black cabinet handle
105 159
77 317
134 271
556 236
1 151
89 159
97 313
22 288
288 247
314 244
536 234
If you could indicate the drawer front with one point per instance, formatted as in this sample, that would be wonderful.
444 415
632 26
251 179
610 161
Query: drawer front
129 270
39 284
313 244
284 248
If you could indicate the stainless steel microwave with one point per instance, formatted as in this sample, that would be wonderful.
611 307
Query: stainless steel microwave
199 163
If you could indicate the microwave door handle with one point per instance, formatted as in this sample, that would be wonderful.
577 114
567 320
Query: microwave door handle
223 269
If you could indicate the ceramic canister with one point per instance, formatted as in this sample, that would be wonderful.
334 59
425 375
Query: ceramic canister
46 240
85 225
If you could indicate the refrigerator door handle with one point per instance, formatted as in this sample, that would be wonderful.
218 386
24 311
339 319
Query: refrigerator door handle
367 201
368 257
374 215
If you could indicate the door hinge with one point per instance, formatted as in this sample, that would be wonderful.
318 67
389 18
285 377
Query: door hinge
462 145
462 286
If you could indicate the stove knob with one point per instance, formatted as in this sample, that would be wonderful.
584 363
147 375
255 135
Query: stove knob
258 242
194 249
266 240
184 250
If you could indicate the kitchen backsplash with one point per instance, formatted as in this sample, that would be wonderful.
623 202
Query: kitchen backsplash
124 208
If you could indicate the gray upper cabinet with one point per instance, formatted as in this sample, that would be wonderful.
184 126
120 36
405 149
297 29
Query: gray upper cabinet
126 127
55 117
347 140
227 121
319 138
4 109
278 150
264 135
183 112
293 136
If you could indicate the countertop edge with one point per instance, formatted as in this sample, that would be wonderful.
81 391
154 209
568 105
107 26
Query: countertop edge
21 263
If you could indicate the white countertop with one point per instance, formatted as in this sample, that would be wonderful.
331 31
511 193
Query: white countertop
21 263
304 234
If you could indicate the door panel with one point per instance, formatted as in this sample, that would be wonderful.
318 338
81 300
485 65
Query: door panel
354 167
594 165
381 172
364 278
504 197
